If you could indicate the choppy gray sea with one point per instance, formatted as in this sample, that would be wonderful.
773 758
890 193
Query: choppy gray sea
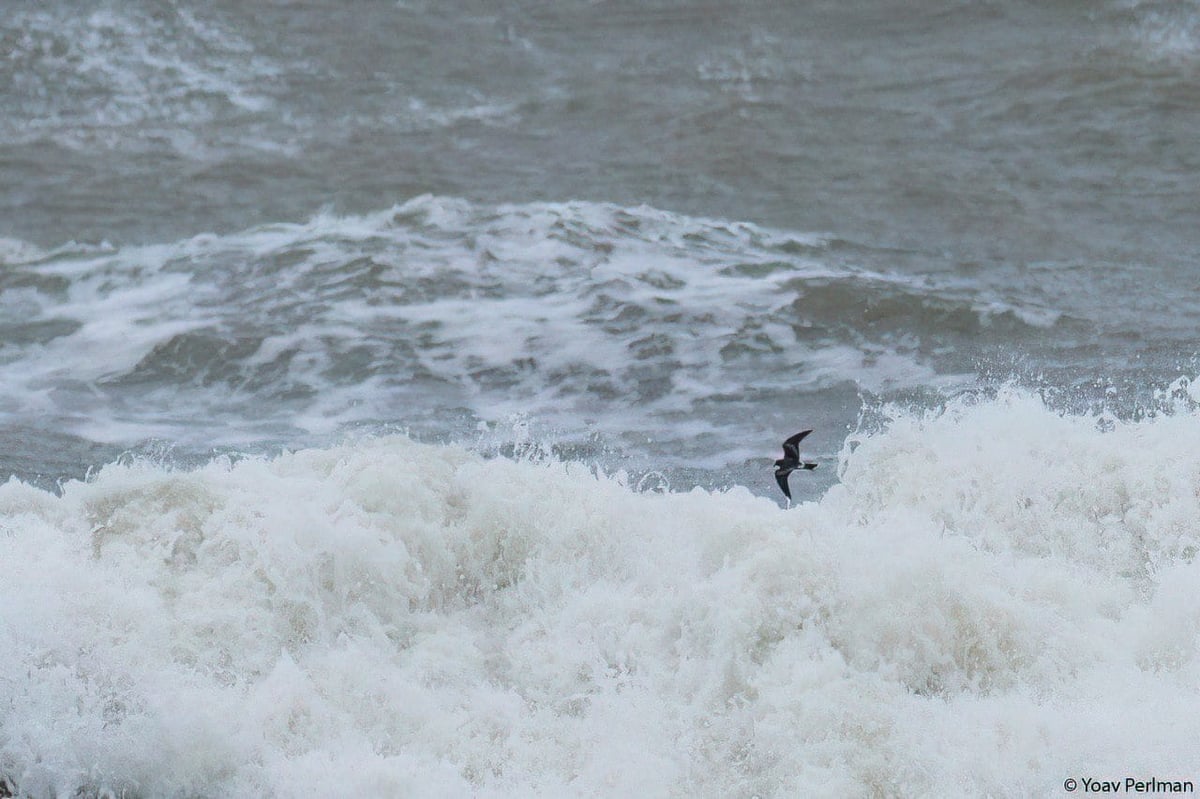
510 280
655 235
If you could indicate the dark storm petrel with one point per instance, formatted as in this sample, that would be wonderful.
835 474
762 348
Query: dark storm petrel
790 462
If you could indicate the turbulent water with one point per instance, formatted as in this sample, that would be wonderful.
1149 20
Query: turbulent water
390 393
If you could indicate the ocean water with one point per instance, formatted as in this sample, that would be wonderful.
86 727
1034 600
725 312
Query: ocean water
390 395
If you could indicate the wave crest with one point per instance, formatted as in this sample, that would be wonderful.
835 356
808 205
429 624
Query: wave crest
411 617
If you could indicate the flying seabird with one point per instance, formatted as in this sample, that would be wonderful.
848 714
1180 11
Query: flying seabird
790 462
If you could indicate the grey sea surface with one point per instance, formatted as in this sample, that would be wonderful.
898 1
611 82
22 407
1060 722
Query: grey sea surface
389 393
654 236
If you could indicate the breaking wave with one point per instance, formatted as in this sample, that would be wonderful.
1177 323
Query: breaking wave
386 617
560 312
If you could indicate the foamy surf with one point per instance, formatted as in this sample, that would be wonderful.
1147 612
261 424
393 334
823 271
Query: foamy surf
667 337
999 581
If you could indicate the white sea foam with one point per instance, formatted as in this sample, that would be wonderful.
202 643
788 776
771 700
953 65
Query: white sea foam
1167 32
619 317
14 252
991 600
84 79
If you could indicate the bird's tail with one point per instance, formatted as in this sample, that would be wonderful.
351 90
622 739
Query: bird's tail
808 465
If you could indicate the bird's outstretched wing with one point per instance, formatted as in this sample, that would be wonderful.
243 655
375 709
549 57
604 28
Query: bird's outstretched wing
791 447
781 478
